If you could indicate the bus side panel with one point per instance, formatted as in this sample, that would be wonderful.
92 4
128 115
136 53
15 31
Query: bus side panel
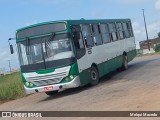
112 64
85 77
101 70
131 55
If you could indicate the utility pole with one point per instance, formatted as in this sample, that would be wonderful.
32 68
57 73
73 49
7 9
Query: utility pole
9 64
146 30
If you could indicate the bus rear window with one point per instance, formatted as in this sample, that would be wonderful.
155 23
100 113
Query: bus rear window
41 29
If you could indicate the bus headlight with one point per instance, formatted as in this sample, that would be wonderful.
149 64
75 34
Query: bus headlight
27 83
31 84
69 78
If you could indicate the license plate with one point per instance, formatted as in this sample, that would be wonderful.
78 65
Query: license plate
48 88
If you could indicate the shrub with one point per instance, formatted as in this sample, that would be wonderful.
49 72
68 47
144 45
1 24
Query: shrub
11 87
157 48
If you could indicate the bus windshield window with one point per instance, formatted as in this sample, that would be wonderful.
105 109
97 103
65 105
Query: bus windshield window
34 56
58 49
42 51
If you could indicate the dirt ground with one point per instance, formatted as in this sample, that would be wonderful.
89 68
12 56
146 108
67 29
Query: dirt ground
136 89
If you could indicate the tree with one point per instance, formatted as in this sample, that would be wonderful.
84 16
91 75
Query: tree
157 48
159 34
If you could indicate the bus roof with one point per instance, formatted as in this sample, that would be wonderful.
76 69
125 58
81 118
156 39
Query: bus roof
82 21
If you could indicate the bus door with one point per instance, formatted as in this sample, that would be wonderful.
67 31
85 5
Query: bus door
83 54
79 47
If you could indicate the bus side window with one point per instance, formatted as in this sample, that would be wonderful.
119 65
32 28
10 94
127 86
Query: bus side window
120 31
129 27
105 33
126 31
113 32
87 36
79 46
96 34
78 41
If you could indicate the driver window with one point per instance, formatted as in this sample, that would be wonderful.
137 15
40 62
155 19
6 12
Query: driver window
79 43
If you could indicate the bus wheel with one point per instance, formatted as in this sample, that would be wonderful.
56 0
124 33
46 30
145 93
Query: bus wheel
94 76
51 93
125 63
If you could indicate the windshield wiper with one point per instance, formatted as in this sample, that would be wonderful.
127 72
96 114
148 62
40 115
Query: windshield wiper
51 38
47 42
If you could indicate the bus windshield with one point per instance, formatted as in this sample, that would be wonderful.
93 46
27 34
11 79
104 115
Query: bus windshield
42 50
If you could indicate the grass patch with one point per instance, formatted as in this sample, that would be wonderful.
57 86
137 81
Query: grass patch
11 87
148 54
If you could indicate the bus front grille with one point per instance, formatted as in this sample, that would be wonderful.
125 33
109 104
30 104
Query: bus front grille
47 79
47 82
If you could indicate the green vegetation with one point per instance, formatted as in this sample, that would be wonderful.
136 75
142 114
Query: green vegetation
11 87
157 48
148 54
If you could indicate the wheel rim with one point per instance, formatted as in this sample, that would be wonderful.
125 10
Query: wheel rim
94 75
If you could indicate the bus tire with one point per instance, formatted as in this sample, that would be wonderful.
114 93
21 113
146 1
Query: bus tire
94 76
51 93
125 62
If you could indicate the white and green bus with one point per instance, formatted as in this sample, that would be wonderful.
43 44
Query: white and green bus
66 54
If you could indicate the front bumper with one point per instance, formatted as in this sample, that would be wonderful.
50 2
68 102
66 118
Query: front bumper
73 84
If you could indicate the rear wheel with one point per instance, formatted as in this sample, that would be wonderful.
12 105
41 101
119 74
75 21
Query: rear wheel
94 76
125 62
51 93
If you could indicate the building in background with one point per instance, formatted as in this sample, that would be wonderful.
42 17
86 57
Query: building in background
144 45
2 71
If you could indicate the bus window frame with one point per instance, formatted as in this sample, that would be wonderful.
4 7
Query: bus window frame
96 34
120 30
106 32
125 30
82 51
130 29
113 31
90 35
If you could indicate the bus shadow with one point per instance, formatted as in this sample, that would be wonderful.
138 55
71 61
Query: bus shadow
73 91
65 93
105 79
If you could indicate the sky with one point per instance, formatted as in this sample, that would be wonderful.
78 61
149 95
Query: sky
15 14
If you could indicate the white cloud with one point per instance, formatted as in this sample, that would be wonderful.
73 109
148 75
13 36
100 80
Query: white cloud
5 56
153 29
140 33
157 4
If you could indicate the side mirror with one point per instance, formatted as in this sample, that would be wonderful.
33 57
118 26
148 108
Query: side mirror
10 45
11 49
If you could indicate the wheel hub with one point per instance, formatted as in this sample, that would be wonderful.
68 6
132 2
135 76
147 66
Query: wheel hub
93 75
